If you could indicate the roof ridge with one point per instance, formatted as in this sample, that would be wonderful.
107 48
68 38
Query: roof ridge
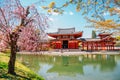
67 28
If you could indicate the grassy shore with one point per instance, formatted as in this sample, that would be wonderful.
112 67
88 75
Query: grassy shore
23 73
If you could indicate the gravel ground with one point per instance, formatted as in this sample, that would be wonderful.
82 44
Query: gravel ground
67 53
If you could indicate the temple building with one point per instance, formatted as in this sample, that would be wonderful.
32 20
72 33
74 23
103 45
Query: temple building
65 39
105 42
70 39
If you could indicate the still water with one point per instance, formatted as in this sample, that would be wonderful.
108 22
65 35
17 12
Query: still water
83 67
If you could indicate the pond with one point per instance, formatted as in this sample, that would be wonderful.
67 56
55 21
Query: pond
83 67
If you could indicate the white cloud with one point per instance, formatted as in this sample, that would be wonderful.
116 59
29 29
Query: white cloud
71 13
106 13
118 8
54 13
51 19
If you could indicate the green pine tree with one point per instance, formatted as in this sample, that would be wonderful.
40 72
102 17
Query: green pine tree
93 34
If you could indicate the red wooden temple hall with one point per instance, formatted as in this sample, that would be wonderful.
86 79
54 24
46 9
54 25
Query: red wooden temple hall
65 38
105 42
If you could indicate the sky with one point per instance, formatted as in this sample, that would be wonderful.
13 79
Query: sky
69 19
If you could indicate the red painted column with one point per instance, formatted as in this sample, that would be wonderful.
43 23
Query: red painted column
83 45
96 48
103 46
87 46
60 44
113 46
91 46
96 45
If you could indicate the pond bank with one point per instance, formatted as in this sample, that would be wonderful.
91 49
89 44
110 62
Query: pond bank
67 53
22 72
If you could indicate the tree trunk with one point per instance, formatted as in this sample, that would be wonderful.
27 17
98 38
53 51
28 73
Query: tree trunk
13 45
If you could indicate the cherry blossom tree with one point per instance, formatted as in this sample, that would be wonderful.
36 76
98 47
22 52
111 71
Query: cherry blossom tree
13 18
3 43
29 39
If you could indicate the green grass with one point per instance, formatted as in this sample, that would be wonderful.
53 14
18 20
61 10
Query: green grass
23 73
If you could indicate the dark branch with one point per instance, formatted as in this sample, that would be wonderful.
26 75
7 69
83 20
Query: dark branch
3 16
23 19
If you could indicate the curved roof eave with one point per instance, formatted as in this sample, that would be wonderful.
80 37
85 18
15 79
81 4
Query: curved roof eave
76 34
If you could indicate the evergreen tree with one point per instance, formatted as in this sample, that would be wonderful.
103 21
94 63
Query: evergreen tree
93 34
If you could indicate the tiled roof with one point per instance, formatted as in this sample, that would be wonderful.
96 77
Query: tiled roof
96 39
66 31
91 39
104 34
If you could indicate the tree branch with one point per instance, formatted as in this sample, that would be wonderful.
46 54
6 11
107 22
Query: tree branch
3 16
23 19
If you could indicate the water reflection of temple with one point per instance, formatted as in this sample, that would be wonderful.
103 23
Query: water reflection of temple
106 62
76 64
67 65
71 64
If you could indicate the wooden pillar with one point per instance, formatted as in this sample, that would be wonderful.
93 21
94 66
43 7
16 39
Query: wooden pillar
108 47
92 46
113 46
100 46
82 45
96 46
103 46
87 46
